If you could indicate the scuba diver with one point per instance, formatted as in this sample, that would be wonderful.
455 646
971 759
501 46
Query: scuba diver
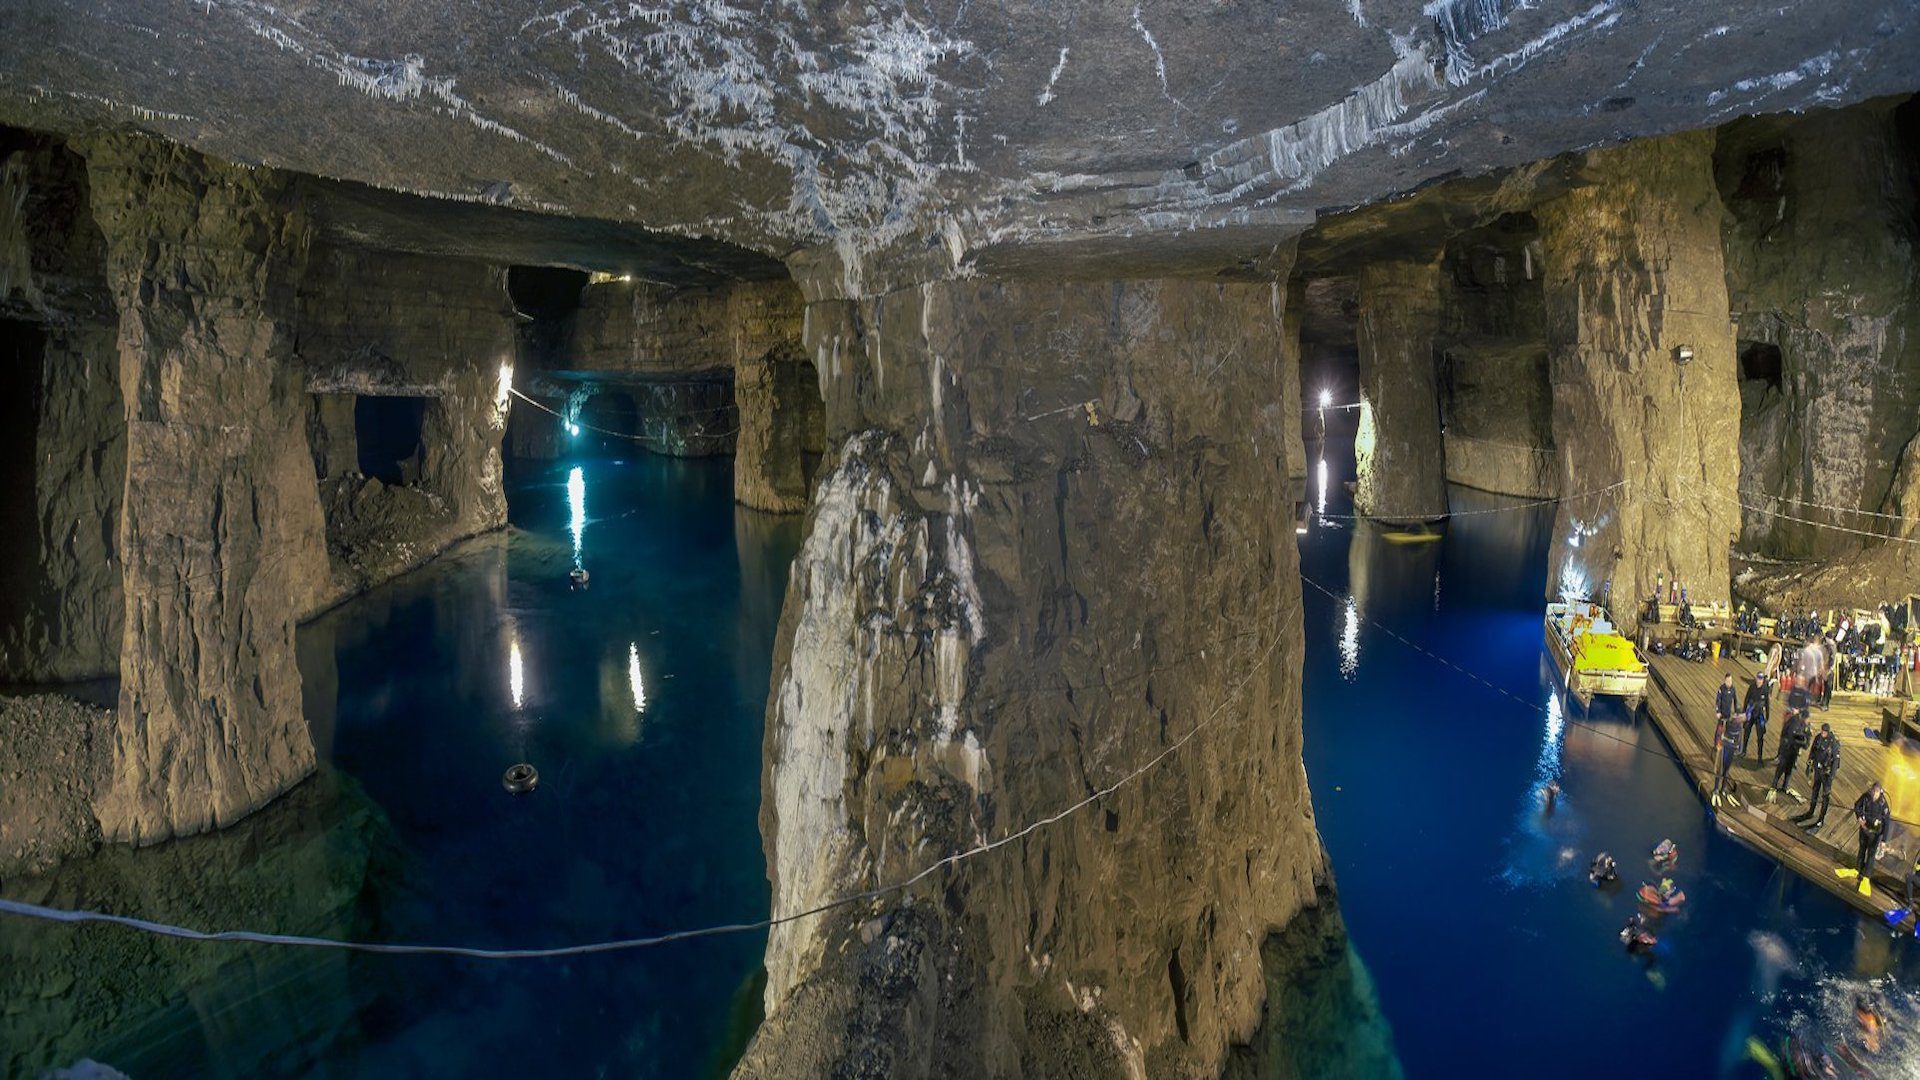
1602 870
1871 1016
1666 898
1635 936
1758 706
1823 761
1872 814
1792 741
1665 854
1729 734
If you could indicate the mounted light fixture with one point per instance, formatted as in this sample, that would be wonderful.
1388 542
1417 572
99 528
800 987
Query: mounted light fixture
1683 354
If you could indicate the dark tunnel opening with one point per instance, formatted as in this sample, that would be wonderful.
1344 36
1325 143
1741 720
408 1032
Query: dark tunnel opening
389 433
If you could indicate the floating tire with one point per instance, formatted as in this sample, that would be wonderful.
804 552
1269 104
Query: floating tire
521 779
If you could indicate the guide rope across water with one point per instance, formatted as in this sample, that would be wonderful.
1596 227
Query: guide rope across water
71 916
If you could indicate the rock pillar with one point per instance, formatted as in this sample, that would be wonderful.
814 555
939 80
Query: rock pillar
1648 445
220 516
1400 462
331 434
1050 563
768 471
1822 274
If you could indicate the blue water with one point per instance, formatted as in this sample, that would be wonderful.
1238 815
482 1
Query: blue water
1467 899
639 700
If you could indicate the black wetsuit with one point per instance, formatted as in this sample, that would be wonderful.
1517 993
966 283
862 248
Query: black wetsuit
1793 738
1729 742
1822 762
1723 702
1872 813
1757 709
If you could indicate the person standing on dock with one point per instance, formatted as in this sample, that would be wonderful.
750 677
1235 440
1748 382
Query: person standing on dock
1724 701
1871 813
1727 742
1793 739
1757 709
1822 763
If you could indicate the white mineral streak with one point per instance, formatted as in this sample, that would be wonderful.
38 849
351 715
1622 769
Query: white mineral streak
853 531
738 83
401 81
1159 60
1046 94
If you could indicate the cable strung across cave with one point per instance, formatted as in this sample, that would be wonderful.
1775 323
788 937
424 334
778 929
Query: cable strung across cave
1508 508
700 434
149 926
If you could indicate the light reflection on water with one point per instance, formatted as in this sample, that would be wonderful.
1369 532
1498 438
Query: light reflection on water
577 509
1350 641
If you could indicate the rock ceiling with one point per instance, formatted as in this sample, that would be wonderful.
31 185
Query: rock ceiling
977 130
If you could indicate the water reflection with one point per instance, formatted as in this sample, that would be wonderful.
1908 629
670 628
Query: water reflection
516 675
634 679
577 509
1350 641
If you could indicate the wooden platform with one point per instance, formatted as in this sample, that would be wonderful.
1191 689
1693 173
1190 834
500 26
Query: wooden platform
1680 701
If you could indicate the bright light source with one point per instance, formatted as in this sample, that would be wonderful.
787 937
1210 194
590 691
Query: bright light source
1326 398
573 429
503 395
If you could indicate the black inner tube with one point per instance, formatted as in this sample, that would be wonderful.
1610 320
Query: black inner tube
520 778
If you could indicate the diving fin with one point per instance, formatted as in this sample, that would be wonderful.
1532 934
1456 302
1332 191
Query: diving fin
1866 887
1895 916
1845 872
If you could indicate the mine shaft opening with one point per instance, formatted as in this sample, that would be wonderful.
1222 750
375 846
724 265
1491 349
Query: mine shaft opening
1761 362
389 431
22 354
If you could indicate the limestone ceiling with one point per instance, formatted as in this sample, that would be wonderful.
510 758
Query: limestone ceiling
971 128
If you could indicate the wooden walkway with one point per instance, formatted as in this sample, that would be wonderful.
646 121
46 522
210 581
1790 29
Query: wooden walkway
1680 701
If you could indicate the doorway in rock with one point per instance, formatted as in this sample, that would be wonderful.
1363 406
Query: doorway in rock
1329 379
388 431
22 354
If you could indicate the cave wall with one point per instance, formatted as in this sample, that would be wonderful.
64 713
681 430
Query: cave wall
669 347
1400 464
1495 401
1820 245
1634 271
1053 537
391 323
220 529
60 598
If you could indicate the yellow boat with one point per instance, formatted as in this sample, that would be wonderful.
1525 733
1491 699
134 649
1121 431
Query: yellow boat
1592 656
1419 534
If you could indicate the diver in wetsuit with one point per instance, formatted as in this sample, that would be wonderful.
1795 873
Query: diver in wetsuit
1823 761
1729 745
1872 814
1758 707
1792 740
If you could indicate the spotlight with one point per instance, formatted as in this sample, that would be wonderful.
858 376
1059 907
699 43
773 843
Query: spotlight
1683 354
1326 398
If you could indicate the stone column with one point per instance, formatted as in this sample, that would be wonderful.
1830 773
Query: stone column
1633 274
1051 550
767 472
330 432
1822 263
1401 465
221 517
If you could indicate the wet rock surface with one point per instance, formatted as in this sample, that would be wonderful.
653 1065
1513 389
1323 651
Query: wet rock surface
1031 546
1400 459
1648 442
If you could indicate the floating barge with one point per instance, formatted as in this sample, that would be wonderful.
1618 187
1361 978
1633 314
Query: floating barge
1592 656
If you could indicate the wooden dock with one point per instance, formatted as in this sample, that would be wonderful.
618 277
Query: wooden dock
1680 701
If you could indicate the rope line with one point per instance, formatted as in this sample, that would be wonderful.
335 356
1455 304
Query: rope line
701 433
1835 507
63 915
1790 517
1525 505
1489 684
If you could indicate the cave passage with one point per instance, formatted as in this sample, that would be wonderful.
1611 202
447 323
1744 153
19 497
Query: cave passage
22 344
388 430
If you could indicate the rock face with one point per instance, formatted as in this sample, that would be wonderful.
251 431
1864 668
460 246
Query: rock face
1399 456
1496 404
386 324
1035 567
1648 445
202 259
689 372
65 457
1821 269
